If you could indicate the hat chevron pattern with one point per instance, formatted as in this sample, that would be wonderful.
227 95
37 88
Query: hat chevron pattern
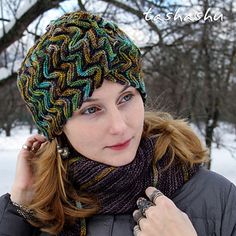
78 51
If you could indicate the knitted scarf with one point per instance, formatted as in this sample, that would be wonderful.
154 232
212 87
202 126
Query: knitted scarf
118 188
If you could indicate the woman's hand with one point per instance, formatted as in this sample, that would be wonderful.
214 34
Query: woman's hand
162 218
21 191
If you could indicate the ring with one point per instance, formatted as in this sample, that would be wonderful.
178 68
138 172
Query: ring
143 204
136 230
26 147
33 149
156 193
138 216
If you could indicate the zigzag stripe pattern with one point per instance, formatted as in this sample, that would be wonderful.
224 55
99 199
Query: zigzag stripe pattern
78 51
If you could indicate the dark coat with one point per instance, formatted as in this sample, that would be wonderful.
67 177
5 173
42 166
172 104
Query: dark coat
208 199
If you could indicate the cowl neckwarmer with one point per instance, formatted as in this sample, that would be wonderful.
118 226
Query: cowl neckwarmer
118 188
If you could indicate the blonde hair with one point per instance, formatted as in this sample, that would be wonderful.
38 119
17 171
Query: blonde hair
55 198
175 136
54 201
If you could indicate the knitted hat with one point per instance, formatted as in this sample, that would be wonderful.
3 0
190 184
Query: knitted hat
78 51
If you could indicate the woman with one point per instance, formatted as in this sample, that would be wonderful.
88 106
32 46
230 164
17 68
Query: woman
98 166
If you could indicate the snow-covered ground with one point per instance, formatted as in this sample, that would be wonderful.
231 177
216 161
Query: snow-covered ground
222 160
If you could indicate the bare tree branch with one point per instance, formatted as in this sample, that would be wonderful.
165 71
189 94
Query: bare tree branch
3 19
21 24
137 13
81 5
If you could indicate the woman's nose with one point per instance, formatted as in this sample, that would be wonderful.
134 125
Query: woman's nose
117 123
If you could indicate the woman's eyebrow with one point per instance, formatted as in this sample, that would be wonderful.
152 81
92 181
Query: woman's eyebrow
96 99
126 86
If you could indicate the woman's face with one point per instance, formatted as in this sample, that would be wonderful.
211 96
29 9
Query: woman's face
108 126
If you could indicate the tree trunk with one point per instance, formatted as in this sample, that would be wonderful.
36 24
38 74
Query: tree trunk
211 124
16 32
8 130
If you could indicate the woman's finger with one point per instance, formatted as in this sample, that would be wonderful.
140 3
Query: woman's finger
34 138
138 216
154 194
136 230
33 143
143 205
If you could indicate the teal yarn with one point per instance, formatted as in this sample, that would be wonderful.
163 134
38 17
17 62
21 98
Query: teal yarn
78 51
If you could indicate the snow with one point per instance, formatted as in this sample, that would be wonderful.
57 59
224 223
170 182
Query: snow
27 4
223 162
4 72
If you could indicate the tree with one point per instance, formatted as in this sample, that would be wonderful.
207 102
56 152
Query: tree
189 62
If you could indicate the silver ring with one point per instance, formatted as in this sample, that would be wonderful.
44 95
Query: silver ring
138 216
136 230
156 193
34 150
143 204
26 147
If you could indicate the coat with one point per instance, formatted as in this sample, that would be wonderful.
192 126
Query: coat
207 198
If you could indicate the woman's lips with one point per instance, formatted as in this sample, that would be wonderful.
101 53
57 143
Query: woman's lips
120 146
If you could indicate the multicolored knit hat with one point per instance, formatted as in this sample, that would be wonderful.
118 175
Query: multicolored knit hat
78 51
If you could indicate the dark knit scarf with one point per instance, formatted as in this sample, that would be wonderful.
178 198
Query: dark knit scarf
118 188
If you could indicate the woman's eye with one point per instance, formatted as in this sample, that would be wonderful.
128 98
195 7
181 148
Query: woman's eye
127 97
90 110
